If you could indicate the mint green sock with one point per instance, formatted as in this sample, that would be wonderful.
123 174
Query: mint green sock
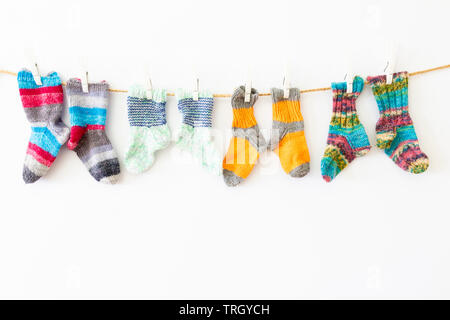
148 128
195 135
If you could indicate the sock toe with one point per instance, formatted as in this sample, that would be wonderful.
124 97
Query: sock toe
29 176
329 169
110 180
420 165
300 171
231 179
138 165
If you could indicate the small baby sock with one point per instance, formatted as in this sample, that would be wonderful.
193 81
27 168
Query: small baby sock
148 128
195 135
43 105
247 141
87 135
347 138
288 136
395 130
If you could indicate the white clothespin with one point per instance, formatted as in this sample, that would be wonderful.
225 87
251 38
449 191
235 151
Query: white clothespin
84 75
389 69
196 89
349 75
36 74
149 91
84 82
286 83
349 79
248 87
248 91
34 67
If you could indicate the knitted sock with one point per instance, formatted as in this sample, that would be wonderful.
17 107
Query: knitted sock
148 128
195 135
43 107
395 130
247 141
288 136
87 135
347 138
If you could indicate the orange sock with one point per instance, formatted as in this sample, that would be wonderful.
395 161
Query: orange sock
288 137
247 141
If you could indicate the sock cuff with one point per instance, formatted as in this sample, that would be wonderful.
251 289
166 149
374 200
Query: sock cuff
139 91
26 80
189 94
340 88
195 113
143 112
99 89
278 95
238 98
286 110
390 96
377 81
243 118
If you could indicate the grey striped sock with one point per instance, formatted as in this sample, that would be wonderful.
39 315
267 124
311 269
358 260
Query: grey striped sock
88 137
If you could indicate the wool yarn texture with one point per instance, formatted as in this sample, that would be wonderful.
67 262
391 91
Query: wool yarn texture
347 138
247 141
288 136
395 130
148 128
195 133
87 135
43 105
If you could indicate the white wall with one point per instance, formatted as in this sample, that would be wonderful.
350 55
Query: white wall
178 232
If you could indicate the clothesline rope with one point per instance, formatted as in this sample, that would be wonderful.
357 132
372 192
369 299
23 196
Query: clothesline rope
226 95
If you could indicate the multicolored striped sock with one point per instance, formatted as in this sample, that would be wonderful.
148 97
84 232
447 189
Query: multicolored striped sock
43 107
395 130
347 138
288 136
195 135
148 128
87 135
247 141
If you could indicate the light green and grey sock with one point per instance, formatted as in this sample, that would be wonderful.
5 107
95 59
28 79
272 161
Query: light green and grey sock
195 135
148 128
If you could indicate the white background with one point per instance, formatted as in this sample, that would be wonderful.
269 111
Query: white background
178 232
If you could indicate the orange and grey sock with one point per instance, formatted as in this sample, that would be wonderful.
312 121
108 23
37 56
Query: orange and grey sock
288 136
247 141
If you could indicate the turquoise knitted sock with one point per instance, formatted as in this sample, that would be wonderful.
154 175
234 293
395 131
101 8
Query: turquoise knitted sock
148 128
347 138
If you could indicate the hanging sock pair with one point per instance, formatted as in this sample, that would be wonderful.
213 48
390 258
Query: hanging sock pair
43 105
148 128
347 138
287 139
